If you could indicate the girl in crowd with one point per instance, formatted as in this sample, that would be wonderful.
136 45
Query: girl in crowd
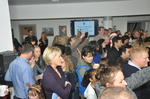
101 44
94 48
68 69
82 66
36 69
88 81
35 92
43 42
54 80
113 76
38 57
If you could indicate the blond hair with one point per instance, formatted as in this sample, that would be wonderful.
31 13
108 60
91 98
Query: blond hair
136 51
68 63
50 53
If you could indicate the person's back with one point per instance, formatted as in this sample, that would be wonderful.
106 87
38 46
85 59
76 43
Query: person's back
20 72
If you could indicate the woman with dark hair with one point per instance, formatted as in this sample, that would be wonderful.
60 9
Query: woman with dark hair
99 50
88 81
113 76
83 65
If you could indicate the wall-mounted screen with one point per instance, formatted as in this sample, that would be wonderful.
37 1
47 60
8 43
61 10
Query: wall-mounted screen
90 26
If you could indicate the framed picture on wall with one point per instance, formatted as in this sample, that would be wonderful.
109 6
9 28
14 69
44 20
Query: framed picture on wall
49 31
24 30
62 30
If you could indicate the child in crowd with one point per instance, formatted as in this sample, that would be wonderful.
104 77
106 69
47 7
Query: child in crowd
88 81
35 92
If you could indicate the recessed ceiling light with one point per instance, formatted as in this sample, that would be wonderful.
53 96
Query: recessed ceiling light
55 0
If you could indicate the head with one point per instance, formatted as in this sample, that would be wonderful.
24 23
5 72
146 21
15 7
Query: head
30 32
106 31
67 65
117 42
87 54
125 39
32 60
143 35
101 31
118 32
115 93
61 47
52 56
128 33
104 61
58 40
72 40
125 50
139 56
110 30
93 46
106 37
68 51
101 44
35 92
136 34
27 50
44 35
37 51
89 76
111 76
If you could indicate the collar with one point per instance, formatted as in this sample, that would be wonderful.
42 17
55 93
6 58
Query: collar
132 64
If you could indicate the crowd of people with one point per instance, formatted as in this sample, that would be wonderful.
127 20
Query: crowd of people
111 66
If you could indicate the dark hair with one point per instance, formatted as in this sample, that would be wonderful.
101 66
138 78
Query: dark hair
87 75
106 74
61 47
86 50
116 39
99 43
124 38
26 48
68 51
93 46
124 47
100 28
30 30
69 39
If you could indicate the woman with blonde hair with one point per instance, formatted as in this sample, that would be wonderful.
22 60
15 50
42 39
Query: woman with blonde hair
68 69
57 40
43 42
54 80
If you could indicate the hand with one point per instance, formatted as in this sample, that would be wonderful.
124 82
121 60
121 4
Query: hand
59 98
66 83
6 91
82 35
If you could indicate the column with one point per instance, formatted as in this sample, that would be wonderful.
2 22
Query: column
5 28
108 22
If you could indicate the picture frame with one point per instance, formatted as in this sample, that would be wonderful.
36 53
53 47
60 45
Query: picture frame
63 30
24 30
48 30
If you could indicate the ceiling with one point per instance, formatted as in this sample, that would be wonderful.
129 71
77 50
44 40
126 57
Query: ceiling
34 2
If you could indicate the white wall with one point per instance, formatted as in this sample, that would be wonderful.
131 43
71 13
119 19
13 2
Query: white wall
76 10
121 24
6 37
44 23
